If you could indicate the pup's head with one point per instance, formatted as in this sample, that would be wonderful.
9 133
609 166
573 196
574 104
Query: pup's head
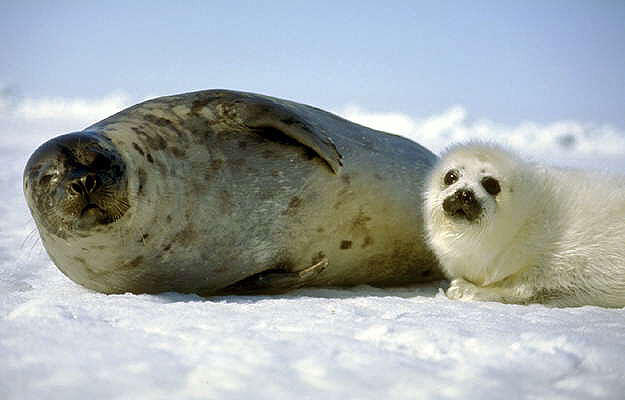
471 189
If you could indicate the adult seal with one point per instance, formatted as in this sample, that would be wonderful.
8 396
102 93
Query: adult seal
219 192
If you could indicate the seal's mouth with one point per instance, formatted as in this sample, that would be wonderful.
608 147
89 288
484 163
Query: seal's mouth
462 205
91 208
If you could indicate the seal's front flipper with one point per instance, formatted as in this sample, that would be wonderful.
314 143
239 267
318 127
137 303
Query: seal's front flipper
256 112
276 281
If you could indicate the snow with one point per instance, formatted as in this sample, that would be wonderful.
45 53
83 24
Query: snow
61 341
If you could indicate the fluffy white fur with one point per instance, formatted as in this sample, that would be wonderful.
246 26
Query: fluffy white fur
549 236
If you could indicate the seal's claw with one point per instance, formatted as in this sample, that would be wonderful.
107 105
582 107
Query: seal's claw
277 281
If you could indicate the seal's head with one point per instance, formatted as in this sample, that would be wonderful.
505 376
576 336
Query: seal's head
478 199
472 190
76 184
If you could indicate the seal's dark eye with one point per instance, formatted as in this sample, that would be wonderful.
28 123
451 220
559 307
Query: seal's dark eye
491 185
101 162
46 179
451 177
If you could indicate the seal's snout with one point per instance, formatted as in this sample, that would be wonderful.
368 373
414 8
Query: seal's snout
463 204
75 182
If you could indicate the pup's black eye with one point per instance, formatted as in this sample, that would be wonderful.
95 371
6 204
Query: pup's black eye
491 185
451 177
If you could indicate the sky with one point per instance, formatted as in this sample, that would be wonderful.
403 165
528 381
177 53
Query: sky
502 61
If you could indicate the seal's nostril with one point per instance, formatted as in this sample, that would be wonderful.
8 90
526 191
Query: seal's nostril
90 183
76 187
466 196
85 184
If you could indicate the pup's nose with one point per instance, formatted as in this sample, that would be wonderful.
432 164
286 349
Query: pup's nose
463 204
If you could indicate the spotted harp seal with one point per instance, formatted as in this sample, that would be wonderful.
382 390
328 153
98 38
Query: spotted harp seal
226 192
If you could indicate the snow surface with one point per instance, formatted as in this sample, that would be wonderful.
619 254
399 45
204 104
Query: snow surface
61 341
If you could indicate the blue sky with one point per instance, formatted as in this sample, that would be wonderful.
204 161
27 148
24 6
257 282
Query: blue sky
505 61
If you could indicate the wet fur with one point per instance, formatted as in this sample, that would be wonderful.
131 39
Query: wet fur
550 236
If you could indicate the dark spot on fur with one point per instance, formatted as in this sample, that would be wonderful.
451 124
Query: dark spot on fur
378 177
167 247
159 142
138 131
164 123
344 196
197 105
168 219
274 172
132 264
346 244
149 157
360 221
368 241
186 236
160 121
216 164
144 237
346 179
138 148
143 177
294 203
177 152
320 230
81 261
153 140
242 145
426 273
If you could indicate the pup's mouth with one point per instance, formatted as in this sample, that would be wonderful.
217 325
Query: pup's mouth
463 205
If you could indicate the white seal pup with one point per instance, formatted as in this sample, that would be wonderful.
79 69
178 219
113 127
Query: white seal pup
221 192
512 231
